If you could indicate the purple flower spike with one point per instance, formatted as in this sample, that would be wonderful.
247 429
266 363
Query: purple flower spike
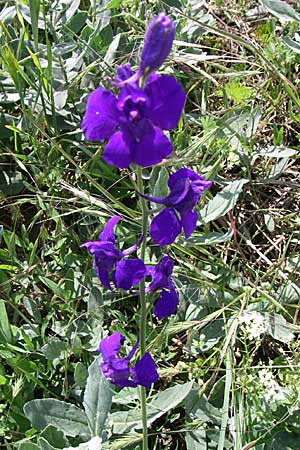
132 123
117 370
110 263
158 43
186 187
162 279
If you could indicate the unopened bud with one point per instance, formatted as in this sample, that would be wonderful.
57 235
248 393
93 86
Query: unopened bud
158 43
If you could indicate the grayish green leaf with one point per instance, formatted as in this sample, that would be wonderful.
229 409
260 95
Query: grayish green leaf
111 51
28 446
269 222
54 437
124 421
223 202
279 328
212 238
293 45
97 399
64 416
196 440
275 152
282 10
80 374
94 444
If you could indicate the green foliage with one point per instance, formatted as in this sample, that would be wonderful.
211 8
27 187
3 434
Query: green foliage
225 381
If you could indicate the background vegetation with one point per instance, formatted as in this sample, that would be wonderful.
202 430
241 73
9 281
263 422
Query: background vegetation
229 360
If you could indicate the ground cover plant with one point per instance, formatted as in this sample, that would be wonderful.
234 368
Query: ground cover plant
224 357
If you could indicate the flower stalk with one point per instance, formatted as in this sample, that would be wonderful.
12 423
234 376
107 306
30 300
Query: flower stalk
143 303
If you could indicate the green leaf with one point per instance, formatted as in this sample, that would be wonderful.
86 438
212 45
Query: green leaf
54 287
28 446
80 374
54 437
64 416
159 180
286 441
112 4
94 444
11 183
163 402
282 10
223 202
5 330
288 293
111 51
34 6
77 21
200 408
44 444
212 238
279 328
97 399
293 45
238 92
275 152
196 440
56 349
166 400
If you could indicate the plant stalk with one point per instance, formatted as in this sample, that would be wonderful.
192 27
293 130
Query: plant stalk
143 300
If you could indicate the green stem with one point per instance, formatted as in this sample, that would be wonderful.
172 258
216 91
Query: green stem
143 300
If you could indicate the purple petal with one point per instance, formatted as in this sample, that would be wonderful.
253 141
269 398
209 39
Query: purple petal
117 151
124 72
151 148
110 345
145 372
101 116
117 371
189 222
103 275
128 273
107 234
165 227
124 76
100 248
167 101
161 274
197 181
166 304
182 173
132 97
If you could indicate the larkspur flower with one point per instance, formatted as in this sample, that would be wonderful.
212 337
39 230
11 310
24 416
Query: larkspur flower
117 370
161 275
109 261
158 42
134 121
186 187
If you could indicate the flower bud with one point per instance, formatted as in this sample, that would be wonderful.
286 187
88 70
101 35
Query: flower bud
158 43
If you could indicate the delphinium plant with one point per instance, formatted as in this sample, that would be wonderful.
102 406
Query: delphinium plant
133 124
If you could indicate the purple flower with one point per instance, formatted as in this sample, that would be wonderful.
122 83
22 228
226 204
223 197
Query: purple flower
117 370
162 279
133 121
109 260
158 42
185 186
